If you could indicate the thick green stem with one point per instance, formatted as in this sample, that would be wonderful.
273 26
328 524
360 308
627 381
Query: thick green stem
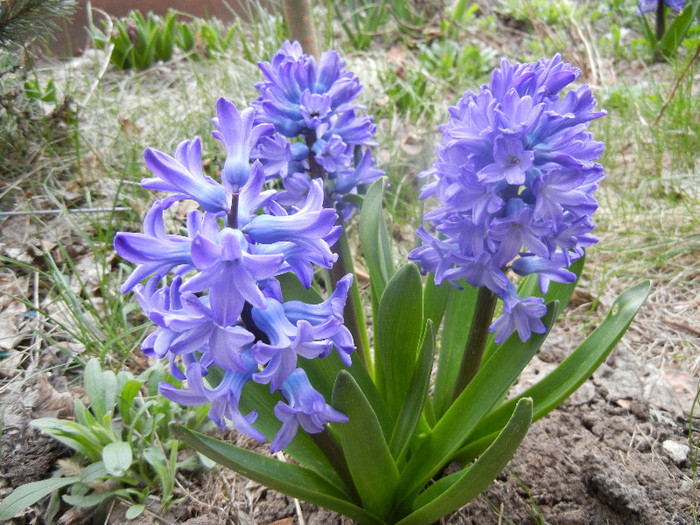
660 19
330 447
476 342
301 25
353 314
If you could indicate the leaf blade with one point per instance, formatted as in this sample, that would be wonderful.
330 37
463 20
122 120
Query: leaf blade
290 479
26 495
369 459
448 495
549 392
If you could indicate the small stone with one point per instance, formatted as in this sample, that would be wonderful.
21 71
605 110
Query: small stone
583 395
678 452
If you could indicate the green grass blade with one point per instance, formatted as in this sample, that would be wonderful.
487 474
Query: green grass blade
397 334
490 384
369 460
452 492
548 393
417 395
290 479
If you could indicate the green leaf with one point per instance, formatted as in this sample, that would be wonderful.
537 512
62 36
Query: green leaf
100 388
488 386
397 334
435 300
93 471
367 454
26 495
677 30
134 511
155 457
288 478
92 499
457 321
417 395
126 397
548 393
452 492
375 239
117 458
71 434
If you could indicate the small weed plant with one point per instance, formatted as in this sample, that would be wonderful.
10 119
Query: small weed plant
122 443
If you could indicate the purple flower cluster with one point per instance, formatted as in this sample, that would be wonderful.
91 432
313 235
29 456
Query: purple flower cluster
319 132
213 292
646 6
515 176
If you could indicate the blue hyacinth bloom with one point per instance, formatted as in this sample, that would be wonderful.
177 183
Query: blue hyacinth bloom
240 135
646 6
212 292
514 180
183 176
312 108
154 251
305 407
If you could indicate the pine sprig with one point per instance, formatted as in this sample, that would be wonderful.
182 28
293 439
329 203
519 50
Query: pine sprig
22 20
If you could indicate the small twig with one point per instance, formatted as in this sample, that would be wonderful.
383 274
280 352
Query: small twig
297 506
681 326
21 178
675 87
589 51
57 212
105 64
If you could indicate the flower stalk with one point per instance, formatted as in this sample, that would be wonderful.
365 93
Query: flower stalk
476 341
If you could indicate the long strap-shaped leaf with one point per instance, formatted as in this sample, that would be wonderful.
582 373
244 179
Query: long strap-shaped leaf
397 334
457 321
367 454
290 479
417 395
375 239
454 491
548 393
678 29
490 384
324 372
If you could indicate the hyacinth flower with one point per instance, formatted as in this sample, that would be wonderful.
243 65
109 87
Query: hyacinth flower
213 293
516 170
239 316
320 133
